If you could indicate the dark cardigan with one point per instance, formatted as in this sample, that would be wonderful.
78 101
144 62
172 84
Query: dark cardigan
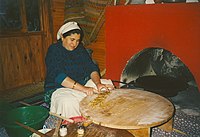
61 63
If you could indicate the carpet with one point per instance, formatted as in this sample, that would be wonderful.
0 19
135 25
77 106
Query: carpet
21 93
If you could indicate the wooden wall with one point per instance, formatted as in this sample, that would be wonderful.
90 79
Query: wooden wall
22 53
98 47
21 60
58 14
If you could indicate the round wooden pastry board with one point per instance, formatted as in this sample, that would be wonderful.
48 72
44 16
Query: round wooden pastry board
127 109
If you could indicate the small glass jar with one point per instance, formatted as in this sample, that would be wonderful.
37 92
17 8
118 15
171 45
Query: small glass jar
80 130
63 130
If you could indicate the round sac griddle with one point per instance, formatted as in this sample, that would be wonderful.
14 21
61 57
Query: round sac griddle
162 85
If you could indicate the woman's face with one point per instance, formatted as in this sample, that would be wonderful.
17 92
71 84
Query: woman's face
71 42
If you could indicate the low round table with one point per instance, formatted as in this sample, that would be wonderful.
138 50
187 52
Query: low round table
134 110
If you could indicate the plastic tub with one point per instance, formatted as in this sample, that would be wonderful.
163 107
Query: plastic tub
32 116
4 108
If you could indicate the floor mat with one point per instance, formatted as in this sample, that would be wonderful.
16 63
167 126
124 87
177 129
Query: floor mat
22 92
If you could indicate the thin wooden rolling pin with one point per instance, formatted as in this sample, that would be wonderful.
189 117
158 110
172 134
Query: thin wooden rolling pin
68 119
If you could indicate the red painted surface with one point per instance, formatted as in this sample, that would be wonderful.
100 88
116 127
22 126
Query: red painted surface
173 26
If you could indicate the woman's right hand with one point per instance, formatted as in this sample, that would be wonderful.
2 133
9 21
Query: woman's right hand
89 90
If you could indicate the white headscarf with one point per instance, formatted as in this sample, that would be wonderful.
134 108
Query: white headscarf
67 27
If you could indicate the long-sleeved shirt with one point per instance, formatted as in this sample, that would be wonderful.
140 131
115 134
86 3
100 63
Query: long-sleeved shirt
61 63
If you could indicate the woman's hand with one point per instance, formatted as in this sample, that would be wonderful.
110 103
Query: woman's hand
89 90
97 81
104 87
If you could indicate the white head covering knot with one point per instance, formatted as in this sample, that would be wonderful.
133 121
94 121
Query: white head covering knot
67 27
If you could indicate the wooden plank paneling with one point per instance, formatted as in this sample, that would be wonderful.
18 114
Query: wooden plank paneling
99 51
22 61
15 62
58 10
36 58
48 25
22 54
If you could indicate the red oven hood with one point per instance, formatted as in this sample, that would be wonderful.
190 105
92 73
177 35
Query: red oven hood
172 26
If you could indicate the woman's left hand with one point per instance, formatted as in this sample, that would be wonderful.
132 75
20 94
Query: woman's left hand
104 87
